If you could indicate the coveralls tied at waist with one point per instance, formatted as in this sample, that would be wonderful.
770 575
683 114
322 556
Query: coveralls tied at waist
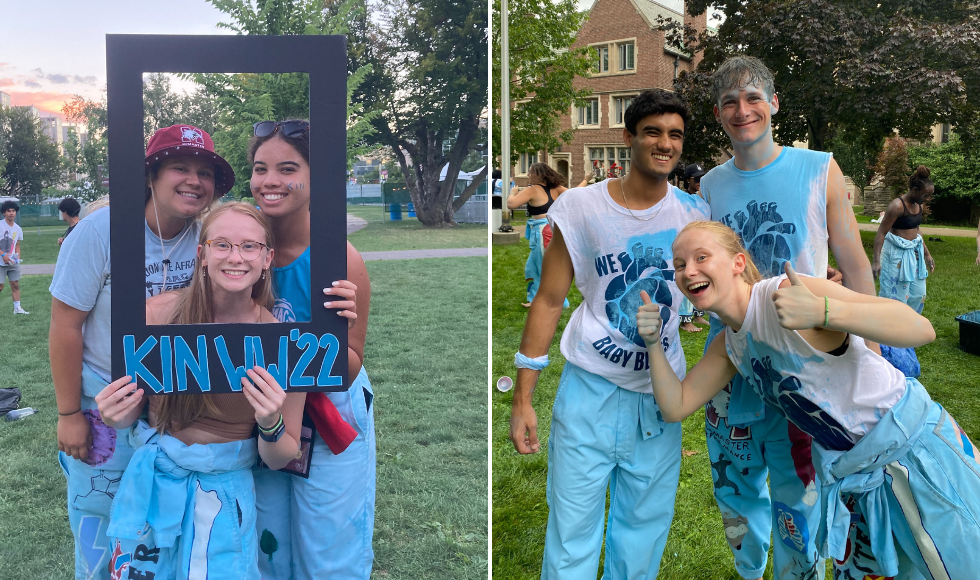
157 490
913 264
860 471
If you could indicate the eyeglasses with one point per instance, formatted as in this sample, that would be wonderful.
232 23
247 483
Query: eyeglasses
220 249
289 128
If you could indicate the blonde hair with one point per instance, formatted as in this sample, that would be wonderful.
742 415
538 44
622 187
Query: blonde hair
732 243
195 305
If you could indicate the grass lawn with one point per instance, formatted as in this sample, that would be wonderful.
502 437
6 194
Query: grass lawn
410 234
430 418
696 547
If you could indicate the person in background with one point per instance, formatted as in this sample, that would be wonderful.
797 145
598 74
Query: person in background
901 259
10 256
545 185
688 314
69 208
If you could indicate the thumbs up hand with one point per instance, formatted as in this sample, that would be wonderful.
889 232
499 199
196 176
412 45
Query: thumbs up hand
797 307
648 320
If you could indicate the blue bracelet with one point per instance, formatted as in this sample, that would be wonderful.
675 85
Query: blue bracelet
525 362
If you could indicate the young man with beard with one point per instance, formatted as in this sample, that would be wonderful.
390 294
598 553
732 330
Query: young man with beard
606 432
786 204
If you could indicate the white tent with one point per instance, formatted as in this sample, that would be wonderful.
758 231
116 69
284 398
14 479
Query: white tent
467 177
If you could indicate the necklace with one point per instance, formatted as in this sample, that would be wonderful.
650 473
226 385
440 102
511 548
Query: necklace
663 202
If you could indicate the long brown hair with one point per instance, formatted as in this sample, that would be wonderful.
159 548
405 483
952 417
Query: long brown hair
195 305
729 240
549 176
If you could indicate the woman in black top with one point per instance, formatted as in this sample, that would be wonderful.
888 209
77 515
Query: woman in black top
901 258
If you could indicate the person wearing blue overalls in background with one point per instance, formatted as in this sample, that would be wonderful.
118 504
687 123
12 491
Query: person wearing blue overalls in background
320 526
607 434
787 204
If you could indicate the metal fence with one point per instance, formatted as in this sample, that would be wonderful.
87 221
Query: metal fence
40 215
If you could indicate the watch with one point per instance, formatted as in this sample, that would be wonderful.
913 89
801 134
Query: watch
274 434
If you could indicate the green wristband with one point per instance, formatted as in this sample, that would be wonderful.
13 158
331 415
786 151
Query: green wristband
826 311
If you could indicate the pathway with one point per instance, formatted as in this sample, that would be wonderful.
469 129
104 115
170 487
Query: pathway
353 224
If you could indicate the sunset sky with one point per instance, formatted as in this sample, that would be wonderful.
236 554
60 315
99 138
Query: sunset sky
51 50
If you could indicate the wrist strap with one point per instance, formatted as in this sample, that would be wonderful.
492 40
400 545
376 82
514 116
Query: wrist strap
826 311
526 362
272 429
60 414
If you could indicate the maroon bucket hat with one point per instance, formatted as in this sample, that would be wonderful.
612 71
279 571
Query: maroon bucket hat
189 141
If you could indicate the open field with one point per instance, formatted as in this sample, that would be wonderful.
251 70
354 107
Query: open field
696 548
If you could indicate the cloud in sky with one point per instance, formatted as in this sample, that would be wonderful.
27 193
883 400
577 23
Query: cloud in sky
47 101
32 84
8 82
60 79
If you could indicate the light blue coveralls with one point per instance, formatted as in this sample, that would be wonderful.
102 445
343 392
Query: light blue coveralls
321 527
903 271
532 269
185 512
606 436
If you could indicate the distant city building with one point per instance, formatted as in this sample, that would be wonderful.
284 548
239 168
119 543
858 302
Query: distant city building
80 130
364 166
52 127
33 110
4 99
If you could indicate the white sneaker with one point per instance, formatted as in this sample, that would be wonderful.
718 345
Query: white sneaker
19 310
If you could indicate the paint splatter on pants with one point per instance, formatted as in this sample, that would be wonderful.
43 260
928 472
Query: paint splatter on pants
919 514
605 437
538 234
322 527
786 510
92 486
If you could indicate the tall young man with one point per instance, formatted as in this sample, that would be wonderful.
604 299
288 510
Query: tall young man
787 204
606 433
10 237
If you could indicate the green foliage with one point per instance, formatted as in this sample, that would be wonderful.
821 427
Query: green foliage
901 65
893 165
87 160
543 67
856 152
955 168
434 53
33 162
243 99
162 107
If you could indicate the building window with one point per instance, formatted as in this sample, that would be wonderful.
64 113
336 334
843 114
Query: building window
609 161
620 105
626 56
602 65
527 160
944 136
589 114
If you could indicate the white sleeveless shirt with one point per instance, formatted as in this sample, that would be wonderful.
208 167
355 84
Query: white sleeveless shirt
615 255
835 399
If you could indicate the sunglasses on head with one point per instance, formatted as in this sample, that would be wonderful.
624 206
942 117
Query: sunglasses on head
289 128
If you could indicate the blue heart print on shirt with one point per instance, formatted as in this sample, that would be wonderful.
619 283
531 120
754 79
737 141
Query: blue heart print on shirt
803 412
769 249
623 292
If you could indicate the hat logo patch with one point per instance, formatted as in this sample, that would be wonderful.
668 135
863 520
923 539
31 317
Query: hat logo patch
191 136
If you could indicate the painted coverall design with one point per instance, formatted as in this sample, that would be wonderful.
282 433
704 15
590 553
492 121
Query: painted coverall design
604 436
914 480
185 512
322 527
903 271
535 231
92 485
743 454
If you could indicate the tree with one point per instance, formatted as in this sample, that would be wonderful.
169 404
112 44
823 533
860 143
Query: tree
882 66
92 160
893 165
162 107
243 99
955 171
434 53
33 161
543 67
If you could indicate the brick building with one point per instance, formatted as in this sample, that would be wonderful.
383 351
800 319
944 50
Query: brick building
632 56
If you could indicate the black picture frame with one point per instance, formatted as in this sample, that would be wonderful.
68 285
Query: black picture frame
308 345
